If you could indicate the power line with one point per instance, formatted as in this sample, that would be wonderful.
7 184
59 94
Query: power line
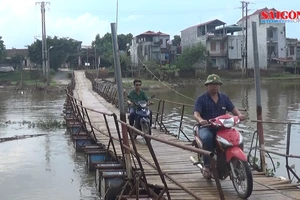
144 12
163 82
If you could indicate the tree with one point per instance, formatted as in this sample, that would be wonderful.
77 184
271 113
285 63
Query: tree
2 49
177 40
191 55
64 50
16 60
104 46
125 62
123 40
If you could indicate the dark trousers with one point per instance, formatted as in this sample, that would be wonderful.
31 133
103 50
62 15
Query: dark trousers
132 116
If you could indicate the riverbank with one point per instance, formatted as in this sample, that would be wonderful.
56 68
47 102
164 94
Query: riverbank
12 81
182 83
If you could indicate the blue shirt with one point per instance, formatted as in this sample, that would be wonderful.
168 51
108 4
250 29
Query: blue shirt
208 109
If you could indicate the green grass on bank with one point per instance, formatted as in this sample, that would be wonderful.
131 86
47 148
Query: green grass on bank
127 82
29 78
283 76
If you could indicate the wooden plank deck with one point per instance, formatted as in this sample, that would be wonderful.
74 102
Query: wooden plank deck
175 161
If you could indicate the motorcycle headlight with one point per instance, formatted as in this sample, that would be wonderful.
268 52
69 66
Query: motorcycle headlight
143 104
227 123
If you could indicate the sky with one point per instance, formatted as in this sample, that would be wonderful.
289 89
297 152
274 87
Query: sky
20 20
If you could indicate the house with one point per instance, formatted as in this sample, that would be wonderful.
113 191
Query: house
224 48
10 53
293 48
150 46
271 39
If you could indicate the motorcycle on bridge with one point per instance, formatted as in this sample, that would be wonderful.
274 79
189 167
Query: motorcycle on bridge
231 160
142 117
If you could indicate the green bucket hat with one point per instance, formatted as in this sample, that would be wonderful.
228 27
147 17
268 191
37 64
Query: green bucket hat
213 78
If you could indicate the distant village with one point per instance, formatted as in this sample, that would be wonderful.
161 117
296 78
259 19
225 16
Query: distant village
228 46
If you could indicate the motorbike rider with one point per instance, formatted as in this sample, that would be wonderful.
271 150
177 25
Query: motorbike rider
210 105
135 96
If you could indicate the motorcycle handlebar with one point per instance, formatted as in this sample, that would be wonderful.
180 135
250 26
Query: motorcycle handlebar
136 104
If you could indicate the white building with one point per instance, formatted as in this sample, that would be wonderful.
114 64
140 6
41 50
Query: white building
271 39
224 48
150 46
293 48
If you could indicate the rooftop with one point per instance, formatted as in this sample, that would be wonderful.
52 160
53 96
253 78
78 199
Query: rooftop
229 29
152 33
215 22
13 51
257 12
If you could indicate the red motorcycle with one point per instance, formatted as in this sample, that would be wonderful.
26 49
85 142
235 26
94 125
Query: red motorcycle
230 158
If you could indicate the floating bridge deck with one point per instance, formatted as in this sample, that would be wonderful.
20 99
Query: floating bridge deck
173 161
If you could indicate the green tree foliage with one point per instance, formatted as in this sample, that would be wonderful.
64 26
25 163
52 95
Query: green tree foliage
177 40
166 71
64 50
190 56
104 47
16 60
125 64
2 49
123 40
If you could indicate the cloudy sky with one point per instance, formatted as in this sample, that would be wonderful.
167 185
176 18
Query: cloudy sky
20 20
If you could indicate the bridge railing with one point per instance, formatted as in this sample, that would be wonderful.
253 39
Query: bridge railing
113 132
287 155
180 125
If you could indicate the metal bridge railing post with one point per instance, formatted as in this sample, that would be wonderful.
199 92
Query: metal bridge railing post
216 177
149 145
288 141
180 123
120 139
138 158
157 114
110 135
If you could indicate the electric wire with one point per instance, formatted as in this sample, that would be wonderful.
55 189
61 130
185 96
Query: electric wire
164 83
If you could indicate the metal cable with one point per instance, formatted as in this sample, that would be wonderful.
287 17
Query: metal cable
164 83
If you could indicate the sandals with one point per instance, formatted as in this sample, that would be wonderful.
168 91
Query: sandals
206 173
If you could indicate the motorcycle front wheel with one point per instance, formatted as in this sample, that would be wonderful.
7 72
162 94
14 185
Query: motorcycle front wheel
146 128
243 182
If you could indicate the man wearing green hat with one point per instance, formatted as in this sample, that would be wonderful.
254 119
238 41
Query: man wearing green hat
210 105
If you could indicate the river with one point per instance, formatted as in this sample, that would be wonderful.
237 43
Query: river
280 101
45 167
48 168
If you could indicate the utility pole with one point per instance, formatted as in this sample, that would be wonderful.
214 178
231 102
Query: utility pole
117 17
118 76
44 38
243 33
258 97
117 24
246 42
95 65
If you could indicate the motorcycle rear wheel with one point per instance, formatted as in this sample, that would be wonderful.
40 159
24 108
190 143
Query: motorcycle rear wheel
243 174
